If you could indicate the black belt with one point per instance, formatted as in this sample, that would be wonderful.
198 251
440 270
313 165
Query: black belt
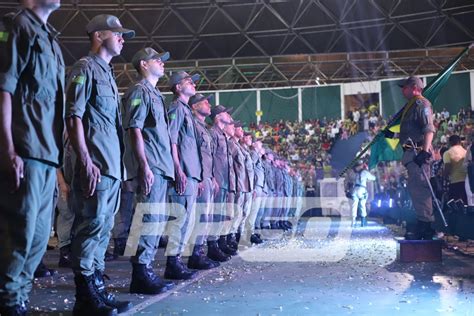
418 146
360 185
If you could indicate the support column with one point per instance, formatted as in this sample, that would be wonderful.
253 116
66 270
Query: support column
300 105
259 106
471 77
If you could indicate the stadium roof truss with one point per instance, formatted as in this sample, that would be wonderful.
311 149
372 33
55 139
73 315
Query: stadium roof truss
266 43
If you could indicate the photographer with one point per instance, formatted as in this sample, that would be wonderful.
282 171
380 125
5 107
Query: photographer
359 193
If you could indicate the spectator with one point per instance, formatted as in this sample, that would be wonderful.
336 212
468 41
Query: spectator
454 169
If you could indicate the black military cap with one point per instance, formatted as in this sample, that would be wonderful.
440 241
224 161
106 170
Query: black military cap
107 22
147 54
412 81
218 109
198 97
176 78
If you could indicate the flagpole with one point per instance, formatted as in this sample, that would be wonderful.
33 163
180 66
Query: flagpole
427 92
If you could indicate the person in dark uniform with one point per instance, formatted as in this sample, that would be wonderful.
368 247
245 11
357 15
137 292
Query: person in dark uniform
223 169
202 109
95 130
269 168
277 210
31 130
259 194
244 200
228 243
188 170
417 129
148 160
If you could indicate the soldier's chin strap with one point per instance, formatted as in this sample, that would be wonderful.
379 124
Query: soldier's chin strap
427 179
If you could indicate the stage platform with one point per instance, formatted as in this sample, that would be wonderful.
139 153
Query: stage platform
326 268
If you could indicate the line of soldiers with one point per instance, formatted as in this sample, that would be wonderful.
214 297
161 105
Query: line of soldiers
168 155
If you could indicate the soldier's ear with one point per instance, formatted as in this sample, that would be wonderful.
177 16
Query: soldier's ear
96 36
143 64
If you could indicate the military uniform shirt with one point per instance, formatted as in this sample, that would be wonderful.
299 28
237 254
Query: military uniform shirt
269 177
278 180
143 108
206 148
241 181
32 71
222 159
92 95
183 134
249 166
259 171
417 121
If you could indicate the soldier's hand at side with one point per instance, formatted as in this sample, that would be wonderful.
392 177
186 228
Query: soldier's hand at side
200 188
215 185
146 179
13 165
90 177
180 182
422 158
64 190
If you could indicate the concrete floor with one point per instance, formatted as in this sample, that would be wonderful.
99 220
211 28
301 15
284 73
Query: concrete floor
326 268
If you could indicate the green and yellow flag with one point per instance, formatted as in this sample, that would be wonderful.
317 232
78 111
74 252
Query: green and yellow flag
384 149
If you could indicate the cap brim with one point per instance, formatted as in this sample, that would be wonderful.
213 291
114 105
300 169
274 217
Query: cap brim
126 33
208 98
195 77
163 56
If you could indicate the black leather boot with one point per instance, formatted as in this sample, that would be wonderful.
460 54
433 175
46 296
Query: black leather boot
199 261
232 241
223 246
176 270
427 232
145 281
215 253
107 298
64 257
42 271
88 300
415 232
16 310
255 239
110 256
119 246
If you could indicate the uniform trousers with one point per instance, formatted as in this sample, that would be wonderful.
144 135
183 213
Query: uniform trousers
155 212
418 187
25 224
181 222
93 223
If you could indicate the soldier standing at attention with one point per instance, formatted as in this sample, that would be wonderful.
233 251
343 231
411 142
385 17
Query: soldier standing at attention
31 130
147 160
417 125
95 130
223 170
201 109
188 169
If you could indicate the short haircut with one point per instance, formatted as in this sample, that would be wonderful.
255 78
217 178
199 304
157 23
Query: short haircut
454 140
